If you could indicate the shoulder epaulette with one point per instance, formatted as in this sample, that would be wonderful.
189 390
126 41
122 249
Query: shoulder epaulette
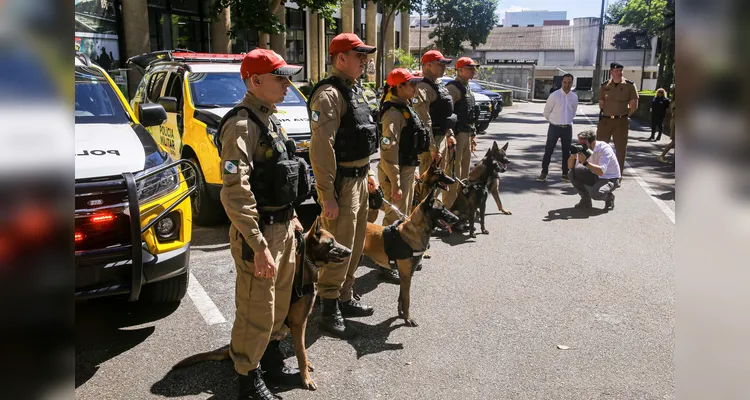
629 81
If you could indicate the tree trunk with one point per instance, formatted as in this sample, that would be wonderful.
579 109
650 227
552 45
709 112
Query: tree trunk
264 38
358 18
380 62
643 66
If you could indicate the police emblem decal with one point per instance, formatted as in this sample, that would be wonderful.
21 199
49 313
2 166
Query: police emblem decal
231 166
315 116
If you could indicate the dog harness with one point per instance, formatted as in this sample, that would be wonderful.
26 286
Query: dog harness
300 289
395 246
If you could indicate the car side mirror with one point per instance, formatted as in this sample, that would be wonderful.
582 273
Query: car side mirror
152 114
169 103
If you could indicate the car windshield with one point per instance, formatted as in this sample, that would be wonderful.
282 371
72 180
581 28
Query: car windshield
95 100
226 89
475 86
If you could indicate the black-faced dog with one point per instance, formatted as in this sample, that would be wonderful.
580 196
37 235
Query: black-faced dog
315 248
400 245
472 197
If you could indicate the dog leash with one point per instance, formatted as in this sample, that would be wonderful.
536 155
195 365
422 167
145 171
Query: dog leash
395 209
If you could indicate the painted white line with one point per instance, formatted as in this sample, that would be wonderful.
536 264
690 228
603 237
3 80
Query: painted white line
209 246
650 192
203 302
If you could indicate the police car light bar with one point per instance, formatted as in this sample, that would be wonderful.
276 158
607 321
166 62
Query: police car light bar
207 56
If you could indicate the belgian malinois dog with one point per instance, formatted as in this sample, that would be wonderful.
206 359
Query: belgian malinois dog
415 231
316 248
428 181
484 177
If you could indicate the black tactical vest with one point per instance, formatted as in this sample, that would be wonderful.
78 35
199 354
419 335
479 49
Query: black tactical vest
441 110
282 178
464 108
414 139
357 136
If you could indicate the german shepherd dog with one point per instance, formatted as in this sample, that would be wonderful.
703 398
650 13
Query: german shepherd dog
415 231
472 197
428 181
319 247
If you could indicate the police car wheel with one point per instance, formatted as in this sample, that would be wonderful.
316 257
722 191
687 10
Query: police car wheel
170 290
206 211
483 126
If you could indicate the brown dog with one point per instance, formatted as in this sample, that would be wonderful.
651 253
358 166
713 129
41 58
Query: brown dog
317 248
414 233
433 177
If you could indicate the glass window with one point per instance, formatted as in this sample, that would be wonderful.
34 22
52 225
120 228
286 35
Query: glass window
95 100
293 98
214 90
398 40
174 86
155 86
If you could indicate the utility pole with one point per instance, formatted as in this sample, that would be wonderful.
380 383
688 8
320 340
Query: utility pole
645 42
598 68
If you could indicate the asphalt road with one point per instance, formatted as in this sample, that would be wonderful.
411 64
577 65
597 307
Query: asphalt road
493 311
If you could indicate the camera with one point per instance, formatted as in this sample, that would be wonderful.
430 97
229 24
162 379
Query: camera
579 148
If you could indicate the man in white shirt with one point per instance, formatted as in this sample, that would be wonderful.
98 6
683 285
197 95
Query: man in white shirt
559 111
597 174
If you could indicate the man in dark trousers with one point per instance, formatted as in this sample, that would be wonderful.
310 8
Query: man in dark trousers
659 107
560 110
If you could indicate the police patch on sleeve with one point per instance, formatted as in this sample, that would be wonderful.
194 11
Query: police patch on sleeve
385 140
231 166
315 116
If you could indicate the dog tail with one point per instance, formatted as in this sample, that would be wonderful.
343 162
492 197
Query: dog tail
215 355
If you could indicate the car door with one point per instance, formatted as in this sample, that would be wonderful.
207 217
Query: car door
163 134
171 98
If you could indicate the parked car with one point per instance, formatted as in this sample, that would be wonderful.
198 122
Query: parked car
485 107
133 220
496 98
197 89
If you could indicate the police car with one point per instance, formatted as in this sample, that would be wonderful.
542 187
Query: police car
196 90
132 202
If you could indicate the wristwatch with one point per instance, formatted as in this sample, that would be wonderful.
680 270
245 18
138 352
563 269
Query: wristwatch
585 163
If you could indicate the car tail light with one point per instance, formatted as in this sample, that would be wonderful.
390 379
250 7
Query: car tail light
102 218
79 237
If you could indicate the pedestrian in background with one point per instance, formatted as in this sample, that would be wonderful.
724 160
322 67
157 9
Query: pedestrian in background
560 110
659 108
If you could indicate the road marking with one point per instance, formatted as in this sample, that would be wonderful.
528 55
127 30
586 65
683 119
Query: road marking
650 192
203 302
210 246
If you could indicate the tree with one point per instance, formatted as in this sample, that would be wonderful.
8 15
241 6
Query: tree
260 15
646 16
460 21
615 11
405 59
390 8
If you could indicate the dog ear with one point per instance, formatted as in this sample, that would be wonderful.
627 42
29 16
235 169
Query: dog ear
494 145
505 148
316 226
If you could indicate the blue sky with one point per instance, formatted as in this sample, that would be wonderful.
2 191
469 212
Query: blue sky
575 8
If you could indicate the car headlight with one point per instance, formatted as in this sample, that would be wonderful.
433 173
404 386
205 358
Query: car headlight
158 185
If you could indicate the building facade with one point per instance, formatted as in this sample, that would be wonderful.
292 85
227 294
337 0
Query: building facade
111 31
535 18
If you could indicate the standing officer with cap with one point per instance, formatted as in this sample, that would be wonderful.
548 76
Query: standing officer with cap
344 135
435 108
404 140
618 100
463 100
254 153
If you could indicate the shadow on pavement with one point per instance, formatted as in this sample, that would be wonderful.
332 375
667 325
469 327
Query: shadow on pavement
212 377
573 213
99 333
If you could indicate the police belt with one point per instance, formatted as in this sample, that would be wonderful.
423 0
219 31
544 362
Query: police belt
614 116
353 172
277 217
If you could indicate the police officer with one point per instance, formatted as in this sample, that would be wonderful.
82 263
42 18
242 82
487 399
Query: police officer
463 100
254 153
435 108
404 139
344 135
618 100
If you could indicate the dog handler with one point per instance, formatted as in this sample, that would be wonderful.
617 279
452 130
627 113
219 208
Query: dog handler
434 105
254 153
344 135
463 100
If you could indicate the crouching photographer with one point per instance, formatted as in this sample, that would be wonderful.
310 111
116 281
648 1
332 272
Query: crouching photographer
597 172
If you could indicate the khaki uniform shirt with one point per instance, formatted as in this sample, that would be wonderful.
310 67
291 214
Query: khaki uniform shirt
616 97
393 122
328 105
424 97
240 146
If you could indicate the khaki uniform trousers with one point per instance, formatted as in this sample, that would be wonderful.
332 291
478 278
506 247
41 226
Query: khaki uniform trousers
349 229
616 129
463 162
425 159
262 304
407 190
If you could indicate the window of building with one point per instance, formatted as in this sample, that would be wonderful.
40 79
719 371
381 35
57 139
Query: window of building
583 83
295 40
364 32
331 31
179 24
245 41
398 40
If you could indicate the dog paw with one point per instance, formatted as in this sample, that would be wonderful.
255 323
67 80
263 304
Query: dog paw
506 212
485 232
473 235
410 322
309 384
310 367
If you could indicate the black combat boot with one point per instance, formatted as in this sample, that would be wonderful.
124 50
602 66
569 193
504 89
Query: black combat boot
609 204
332 322
354 308
253 387
273 366
584 204
389 275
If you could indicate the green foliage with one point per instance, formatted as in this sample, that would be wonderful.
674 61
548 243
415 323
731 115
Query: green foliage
615 12
461 21
646 15
404 59
259 14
